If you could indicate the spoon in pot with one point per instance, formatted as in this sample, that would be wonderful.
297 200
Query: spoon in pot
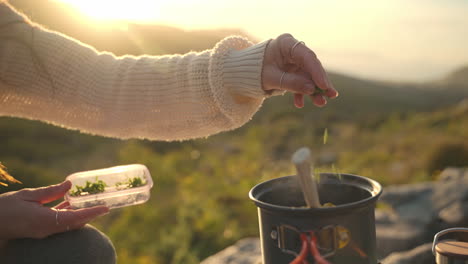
301 159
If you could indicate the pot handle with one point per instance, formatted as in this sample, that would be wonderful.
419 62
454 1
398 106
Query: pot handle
444 232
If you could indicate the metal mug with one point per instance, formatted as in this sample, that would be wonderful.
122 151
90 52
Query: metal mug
450 251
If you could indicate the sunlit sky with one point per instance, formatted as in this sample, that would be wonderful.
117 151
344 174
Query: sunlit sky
410 40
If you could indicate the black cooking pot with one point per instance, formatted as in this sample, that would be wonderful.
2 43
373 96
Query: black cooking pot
345 232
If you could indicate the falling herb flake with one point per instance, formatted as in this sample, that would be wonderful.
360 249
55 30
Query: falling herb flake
325 136
337 172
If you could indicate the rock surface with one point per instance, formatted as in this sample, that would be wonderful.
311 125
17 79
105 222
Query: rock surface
405 227
421 210
420 255
245 251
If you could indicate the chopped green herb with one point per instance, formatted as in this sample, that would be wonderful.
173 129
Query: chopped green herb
319 91
90 188
136 182
131 183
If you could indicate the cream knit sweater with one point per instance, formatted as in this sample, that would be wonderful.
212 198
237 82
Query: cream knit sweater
47 76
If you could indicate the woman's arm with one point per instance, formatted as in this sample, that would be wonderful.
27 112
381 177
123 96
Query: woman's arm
47 76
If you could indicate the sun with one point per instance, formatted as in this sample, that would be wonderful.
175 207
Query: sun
126 10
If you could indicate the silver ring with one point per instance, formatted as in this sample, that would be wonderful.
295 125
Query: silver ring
281 80
56 217
294 46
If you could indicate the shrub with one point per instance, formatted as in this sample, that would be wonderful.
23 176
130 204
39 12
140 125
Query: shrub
447 154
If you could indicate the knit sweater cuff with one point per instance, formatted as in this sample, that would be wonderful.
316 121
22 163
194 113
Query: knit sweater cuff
235 76
243 70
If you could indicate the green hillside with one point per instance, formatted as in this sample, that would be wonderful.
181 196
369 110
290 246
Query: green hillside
365 100
456 79
394 133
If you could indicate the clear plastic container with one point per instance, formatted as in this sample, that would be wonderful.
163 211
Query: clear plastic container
114 187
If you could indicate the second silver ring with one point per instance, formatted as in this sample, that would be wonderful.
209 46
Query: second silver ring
294 46
56 217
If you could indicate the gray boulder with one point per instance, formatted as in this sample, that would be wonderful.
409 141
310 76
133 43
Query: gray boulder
418 255
245 251
411 202
418 211
455 214
452 188
397 236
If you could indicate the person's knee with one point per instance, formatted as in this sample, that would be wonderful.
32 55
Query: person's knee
85 245
96 245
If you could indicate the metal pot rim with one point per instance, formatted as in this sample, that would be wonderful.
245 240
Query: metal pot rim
344 179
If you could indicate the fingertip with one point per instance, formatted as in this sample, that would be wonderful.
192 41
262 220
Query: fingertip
324 103
100 210
334 90
332 93
94 211
299 100
67 184
103 210
75 218
319 100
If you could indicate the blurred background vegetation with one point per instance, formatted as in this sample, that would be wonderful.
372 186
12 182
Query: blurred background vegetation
392 132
